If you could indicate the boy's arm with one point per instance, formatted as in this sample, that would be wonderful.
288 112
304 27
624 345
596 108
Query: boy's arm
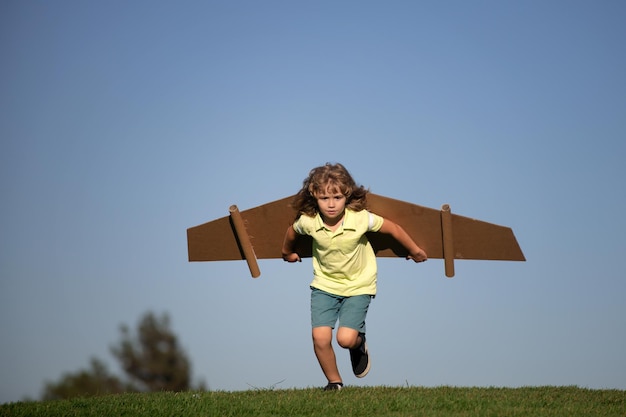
415 252
290 239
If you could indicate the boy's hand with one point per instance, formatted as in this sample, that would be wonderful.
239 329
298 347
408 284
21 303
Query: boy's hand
292 257
418 255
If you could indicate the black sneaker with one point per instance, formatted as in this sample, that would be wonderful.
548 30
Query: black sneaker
360 359
333 386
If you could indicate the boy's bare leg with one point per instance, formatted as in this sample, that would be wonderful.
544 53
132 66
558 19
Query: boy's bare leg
322 345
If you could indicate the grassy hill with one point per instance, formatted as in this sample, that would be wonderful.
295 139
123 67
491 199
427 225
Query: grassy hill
351 401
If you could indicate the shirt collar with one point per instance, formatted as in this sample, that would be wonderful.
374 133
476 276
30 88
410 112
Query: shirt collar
349 222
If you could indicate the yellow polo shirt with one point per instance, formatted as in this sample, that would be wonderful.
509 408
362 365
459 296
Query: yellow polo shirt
344 262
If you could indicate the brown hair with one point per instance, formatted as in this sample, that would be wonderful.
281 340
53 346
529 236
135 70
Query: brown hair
333 177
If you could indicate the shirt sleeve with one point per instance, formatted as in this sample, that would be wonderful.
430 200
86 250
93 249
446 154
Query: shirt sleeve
375 222
300 225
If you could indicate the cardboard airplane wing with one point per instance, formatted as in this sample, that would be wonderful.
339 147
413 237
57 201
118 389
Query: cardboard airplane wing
258 233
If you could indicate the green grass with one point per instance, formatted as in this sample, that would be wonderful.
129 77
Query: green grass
351 401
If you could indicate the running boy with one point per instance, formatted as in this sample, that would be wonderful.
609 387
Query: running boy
332 209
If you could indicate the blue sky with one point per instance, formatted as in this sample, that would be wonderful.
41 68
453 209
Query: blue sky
125 123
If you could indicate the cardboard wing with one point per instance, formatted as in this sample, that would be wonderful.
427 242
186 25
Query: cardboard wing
258 233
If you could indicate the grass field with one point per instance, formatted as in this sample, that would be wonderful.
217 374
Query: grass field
351 401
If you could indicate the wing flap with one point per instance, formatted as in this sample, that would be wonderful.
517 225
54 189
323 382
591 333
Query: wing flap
265 226
475 239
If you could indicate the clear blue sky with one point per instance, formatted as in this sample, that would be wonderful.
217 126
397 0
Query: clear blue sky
124 123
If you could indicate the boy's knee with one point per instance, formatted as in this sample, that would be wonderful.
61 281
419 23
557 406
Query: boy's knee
348 339
322 336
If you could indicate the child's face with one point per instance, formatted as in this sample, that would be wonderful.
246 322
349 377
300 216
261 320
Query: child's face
331 205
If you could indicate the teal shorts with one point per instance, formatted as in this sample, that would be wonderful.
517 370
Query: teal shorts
327 308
